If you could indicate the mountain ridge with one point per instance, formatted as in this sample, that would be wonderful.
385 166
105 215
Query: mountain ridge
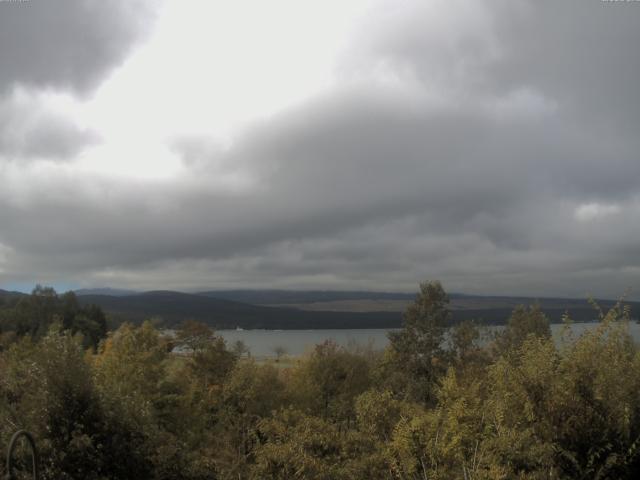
171 308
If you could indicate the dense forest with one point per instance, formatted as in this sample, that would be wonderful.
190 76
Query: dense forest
441 402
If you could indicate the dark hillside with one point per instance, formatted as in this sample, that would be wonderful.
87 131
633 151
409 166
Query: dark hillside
274 297
174 307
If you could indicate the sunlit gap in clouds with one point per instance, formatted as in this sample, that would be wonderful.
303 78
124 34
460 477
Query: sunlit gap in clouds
209 69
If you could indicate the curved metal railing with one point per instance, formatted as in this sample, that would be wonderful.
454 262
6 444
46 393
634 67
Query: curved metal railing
10 475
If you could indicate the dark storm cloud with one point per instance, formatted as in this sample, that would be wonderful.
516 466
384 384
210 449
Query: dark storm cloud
496 153
67 44
579 52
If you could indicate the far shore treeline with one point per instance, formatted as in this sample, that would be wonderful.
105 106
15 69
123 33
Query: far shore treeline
114 401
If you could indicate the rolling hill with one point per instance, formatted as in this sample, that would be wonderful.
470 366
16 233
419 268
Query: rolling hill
276 297
171 308
279 309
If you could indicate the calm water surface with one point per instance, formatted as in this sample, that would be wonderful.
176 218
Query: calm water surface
262 343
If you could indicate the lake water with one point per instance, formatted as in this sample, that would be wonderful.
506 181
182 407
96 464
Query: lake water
262 343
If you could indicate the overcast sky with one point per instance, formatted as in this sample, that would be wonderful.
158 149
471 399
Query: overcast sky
348 144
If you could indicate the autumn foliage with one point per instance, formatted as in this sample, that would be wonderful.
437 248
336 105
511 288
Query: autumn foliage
442 401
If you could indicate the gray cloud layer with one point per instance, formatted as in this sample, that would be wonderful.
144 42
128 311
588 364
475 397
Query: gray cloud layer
29 129
68 44
65 46
494 147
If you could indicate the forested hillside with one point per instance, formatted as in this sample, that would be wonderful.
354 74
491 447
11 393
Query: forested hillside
171 308
520 406
282 309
